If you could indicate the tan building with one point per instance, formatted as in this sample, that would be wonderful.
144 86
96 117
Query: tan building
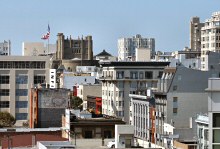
195 34
17 75
74 52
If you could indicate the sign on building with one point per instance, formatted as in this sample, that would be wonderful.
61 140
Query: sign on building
52 78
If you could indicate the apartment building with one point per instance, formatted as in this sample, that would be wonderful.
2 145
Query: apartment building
214 113
119 79
142 117
195 34
5 48
210 38
17 75
179 99
202 122
127 47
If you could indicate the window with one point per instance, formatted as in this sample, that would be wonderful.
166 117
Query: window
21 79
21 92
175 105
39 79
160 74
174 87
133 84
121 84
4 79
134 75
4 92
21 104
216 119
121 94
120 74
174 111
4 104
148 75
141 75
21 116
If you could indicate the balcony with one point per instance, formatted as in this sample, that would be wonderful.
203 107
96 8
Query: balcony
103 78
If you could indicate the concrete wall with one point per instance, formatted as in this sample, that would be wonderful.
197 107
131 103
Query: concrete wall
124 134
188 104
143 54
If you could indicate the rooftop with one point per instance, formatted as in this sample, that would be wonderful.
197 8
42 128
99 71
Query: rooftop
138 63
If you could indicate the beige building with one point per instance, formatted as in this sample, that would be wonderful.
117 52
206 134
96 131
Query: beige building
142 54
88 89
210 38
17 75
73 52
37 48
195 34
119 79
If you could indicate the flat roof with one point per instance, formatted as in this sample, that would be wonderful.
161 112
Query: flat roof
138 63
29 129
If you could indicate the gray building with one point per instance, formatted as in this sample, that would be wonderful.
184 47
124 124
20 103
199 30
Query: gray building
183 96
47 107
17 75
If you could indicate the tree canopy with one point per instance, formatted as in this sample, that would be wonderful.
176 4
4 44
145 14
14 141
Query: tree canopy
6 119
76 102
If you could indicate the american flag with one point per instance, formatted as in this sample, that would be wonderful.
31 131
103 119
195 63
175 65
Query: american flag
47 35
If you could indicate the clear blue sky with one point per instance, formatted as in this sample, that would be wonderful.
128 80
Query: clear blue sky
106 20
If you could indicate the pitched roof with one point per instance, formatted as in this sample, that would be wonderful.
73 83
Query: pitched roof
104 53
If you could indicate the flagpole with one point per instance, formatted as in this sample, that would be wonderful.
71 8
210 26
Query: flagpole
48 46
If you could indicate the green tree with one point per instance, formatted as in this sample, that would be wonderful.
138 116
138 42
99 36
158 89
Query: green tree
76 102
6 119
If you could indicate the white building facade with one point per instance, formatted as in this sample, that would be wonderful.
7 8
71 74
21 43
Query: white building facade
5 48
127 46
210 38
202 122
119 79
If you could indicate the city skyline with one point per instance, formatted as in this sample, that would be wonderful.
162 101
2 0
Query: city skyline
106 21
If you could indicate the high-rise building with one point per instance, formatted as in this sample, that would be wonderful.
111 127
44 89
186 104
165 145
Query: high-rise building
17 75
127 46
195 34
210 37
119 79
5 48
